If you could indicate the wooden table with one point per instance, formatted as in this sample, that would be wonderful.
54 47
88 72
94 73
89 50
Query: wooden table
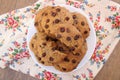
110 71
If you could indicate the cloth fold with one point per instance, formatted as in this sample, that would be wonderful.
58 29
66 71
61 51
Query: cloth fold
13 31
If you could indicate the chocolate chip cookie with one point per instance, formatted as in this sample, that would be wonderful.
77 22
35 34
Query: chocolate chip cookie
68 35
71 61
48 49
60 40
54 18
80 22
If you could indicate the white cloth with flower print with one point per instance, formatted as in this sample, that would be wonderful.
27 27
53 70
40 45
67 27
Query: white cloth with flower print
13 29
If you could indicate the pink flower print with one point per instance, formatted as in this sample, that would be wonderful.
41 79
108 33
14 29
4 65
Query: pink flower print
12 23
10 49
90 74
49 76
1 22
16 44
15 24
113 8
93 56
101 57
22 55
83 75
24 44
76 4
117 19
108 19
37 76
68 2
91 18
26 31
97 59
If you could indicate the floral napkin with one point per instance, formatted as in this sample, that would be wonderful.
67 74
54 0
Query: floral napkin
104 14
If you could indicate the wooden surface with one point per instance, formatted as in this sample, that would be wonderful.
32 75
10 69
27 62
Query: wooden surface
110 71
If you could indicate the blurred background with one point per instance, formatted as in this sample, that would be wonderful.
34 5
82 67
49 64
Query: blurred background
110 71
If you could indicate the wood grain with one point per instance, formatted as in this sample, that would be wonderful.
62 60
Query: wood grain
110 71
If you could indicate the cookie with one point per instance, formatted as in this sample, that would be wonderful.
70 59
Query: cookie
34 47
53 18
38 18
68 35
80 22
48 50
60 40
71 61
33 44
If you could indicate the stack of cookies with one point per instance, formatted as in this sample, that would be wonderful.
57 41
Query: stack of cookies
60 40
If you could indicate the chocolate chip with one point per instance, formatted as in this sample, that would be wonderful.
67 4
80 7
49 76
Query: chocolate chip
53 14
39 58
58 65
59 36
64 69
47 38
58 9
66 59
68 30
44 44
53 7
60 49
76 45
68 38
39 45
75 22
56 21
76 37
46 26
36 24
54 48
73 61
48 31
45 14
48 20
62 29
85 32
74 16
67 18
72 49
89 29
42 62
78 29
43 54
54 39
51 59
43 30
82 23
77 54
33 45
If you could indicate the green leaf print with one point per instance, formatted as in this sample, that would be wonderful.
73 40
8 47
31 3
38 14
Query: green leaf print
38 5
14 53
36 8
20 50
16 50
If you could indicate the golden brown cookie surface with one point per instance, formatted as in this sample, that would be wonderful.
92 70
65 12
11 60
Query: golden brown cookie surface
47 49
68 35
80 22
55 15
71 61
